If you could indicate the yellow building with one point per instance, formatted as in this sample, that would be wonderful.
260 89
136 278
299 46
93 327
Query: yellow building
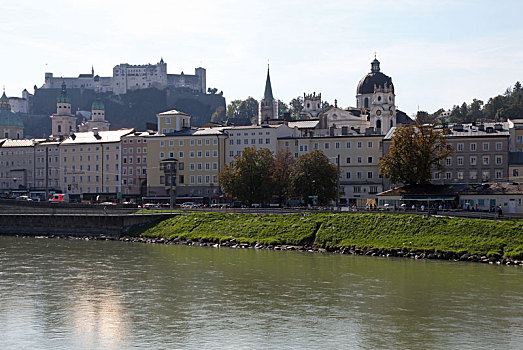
358 156
200 156
90 164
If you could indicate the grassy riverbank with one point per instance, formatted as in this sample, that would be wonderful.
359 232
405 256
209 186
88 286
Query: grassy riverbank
343 230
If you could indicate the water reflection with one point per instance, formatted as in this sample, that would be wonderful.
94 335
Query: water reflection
74 294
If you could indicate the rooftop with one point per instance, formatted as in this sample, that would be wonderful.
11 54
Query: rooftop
90 137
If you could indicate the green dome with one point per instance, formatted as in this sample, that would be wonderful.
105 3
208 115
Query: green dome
97 105
8 118
63 98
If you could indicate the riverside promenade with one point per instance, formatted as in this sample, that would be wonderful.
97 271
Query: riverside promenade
49 219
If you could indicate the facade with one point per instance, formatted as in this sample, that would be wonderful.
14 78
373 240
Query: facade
258 136
480 154
199 155
134 163
11 125
516 135
21 105
358 156
515 167
63 123
47 166
268 107
173 120
90 164
132 77
17 165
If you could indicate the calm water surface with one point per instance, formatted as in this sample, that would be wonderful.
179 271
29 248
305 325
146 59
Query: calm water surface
58 294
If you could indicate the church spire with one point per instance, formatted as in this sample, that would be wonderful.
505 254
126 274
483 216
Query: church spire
268 88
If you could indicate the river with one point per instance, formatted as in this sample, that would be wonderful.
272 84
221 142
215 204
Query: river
75 294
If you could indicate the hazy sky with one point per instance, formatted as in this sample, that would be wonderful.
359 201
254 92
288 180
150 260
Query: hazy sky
438 53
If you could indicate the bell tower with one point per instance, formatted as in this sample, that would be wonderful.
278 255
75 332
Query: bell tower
63 123
268 108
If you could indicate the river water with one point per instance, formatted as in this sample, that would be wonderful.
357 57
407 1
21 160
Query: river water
74 294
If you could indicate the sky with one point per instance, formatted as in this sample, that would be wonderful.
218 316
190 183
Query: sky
439 53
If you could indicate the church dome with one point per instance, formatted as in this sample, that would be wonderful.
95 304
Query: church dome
8 118
374 78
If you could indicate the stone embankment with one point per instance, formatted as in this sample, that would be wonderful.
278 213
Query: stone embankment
388 253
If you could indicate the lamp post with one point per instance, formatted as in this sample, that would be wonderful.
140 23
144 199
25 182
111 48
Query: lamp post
168 167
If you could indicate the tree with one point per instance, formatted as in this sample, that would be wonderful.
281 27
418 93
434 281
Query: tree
233 109
218 115
282 108
295 107
281 174
416 150
325 106
248 178
314 175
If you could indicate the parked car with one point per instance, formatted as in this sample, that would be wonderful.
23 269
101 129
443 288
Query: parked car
188 205
23 198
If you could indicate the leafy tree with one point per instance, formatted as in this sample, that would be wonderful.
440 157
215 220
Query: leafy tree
314 175
248 178
282 108
416 150
281 174
295 107
517 87
233 109
325 106
218 115
247 108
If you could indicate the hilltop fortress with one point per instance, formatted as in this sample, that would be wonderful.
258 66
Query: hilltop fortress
131 77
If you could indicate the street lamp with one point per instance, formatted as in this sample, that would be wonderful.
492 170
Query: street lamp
168 167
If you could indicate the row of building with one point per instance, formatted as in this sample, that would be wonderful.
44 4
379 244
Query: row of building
90 161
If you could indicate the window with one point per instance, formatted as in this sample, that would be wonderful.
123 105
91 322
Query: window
460 147
337 145
192 179
499 174
180 154
499 160
348 160
191 166
436 175
485 146
162 155
162 143
358 175
448 175
515 172
199 154
369 175
473 175
369 160
347 145
347 175
460 160
369 144
316 146
460 175
238 142
357 189
360 144
448 161
485 175
191 154
473 160
267 141
199 142
326 145
359 160
199 179
373 189
472 146
486 160
253 141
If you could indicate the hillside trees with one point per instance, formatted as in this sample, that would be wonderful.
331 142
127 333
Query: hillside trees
416 150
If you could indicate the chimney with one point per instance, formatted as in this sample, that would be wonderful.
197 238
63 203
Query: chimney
95 133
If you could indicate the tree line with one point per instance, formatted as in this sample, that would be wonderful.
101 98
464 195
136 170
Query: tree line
248 108
259 176
498 108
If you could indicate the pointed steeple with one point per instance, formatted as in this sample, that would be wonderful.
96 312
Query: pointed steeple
4 102
268 88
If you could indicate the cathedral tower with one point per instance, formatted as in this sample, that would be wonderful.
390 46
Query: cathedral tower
268 108
63 123
375 96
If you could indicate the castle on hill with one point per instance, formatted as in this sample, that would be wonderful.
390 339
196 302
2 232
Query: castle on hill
131 77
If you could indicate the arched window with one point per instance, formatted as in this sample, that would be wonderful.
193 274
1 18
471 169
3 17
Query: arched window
378 124
308 105
366 102
59 128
